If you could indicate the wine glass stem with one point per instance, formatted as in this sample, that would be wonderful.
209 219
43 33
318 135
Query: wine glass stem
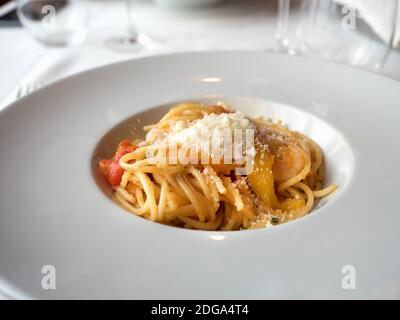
283 19
132 31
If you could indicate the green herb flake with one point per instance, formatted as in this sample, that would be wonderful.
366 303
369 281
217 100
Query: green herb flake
274 220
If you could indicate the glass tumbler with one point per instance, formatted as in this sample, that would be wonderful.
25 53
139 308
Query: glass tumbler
55 22
355 32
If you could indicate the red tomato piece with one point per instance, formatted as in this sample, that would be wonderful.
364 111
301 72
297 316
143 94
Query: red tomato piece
115 174
110 168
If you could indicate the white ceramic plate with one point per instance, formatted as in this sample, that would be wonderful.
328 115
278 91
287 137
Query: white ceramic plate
53 212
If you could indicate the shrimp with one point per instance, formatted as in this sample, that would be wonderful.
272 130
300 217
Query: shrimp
288 162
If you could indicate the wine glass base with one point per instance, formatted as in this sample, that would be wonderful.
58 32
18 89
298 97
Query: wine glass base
132 44
123 44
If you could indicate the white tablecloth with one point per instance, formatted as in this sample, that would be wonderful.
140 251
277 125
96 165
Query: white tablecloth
228 26
235 24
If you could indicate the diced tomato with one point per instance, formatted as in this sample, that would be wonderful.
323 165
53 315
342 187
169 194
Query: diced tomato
115 174
104 166
111 168
124 147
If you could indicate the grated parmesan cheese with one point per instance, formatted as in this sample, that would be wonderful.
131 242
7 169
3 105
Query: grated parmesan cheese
211 127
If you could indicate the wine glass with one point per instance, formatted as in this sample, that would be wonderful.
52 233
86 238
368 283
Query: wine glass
133 40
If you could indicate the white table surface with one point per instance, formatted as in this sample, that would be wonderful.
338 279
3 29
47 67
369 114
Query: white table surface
236 24
228 26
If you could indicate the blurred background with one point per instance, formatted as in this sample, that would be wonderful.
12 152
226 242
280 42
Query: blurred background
42 41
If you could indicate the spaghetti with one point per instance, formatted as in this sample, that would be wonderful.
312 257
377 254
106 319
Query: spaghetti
286 178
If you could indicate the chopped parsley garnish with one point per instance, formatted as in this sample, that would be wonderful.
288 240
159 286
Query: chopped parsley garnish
274 220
